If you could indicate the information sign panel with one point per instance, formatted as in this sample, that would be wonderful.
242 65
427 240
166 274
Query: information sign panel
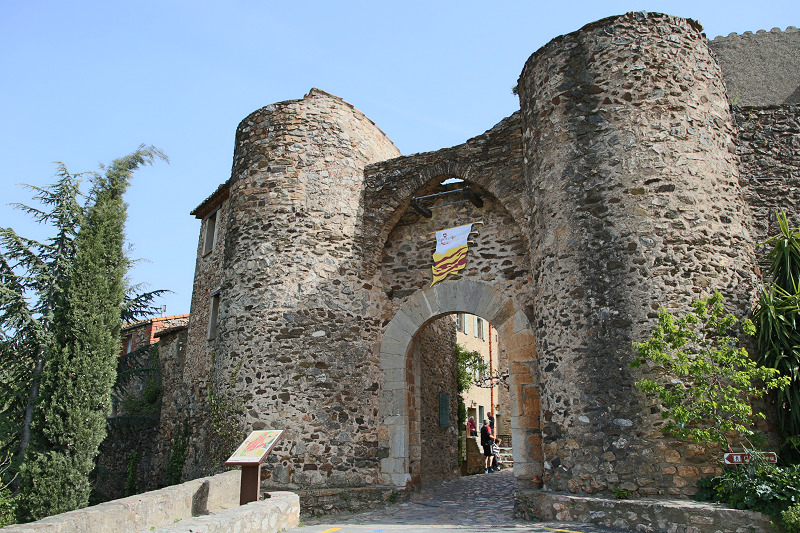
255 447
743 458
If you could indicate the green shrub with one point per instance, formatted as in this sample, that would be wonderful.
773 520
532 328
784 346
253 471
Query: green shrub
8 509
790 519
777 321
757 486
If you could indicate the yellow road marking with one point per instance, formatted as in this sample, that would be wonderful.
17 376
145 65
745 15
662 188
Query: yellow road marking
551 529
331 529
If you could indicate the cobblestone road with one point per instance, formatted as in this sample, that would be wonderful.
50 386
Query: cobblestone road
471 503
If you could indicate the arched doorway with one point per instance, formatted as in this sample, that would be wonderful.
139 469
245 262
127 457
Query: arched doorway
513 327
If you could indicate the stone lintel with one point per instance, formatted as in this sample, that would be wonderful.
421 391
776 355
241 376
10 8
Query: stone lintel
463 293
446 295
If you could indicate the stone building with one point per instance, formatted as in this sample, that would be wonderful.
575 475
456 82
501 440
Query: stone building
136 400
146 332
627 181
489 398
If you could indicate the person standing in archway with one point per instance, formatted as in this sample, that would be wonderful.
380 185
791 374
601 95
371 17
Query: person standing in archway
486 442
472 427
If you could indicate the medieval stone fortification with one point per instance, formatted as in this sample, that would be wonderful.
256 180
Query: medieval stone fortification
626 182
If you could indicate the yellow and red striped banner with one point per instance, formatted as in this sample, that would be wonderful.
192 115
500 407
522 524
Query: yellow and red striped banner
451 252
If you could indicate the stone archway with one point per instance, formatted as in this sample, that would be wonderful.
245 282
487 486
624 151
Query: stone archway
513 326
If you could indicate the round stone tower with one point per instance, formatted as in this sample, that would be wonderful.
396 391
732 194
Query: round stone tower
629 149
294 332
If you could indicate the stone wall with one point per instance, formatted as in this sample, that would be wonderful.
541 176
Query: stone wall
330 501
143 438
208 504
186 402
769 148
651 515
181 407
433 352
297 324
631 164
762 68
491 166
129 442
616 190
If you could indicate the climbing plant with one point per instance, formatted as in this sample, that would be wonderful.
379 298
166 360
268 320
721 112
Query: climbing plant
224 415
137 390
132 480
177 457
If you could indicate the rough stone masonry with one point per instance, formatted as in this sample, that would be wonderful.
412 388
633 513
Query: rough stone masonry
626 182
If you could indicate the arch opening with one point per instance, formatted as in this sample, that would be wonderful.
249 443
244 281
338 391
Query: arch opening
400 400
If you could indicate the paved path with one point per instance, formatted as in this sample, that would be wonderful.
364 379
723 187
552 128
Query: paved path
471 504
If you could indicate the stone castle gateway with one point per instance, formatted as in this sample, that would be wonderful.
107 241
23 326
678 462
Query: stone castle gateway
626 182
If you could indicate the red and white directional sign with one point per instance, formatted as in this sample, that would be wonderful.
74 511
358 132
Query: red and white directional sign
743 458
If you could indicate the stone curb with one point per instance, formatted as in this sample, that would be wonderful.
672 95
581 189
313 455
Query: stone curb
649 515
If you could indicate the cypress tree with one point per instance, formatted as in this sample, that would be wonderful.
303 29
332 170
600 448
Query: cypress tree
76 379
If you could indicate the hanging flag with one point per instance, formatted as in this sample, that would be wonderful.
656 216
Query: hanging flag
451 251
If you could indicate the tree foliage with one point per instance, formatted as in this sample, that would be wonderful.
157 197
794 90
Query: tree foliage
703 378
777 321
470 367
60 312
33 277
8 505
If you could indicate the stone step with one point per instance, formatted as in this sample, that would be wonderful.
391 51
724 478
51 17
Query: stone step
506 457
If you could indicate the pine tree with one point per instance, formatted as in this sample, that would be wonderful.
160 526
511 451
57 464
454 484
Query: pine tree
36 272
72 350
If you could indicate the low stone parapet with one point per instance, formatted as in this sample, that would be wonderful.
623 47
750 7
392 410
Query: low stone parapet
279 512
475 462
645 515
208 504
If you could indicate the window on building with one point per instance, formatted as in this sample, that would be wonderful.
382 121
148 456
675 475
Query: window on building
479 329
461 322
129 344
213 316
211 232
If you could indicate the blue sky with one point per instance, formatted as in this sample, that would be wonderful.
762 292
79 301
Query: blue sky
87 81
